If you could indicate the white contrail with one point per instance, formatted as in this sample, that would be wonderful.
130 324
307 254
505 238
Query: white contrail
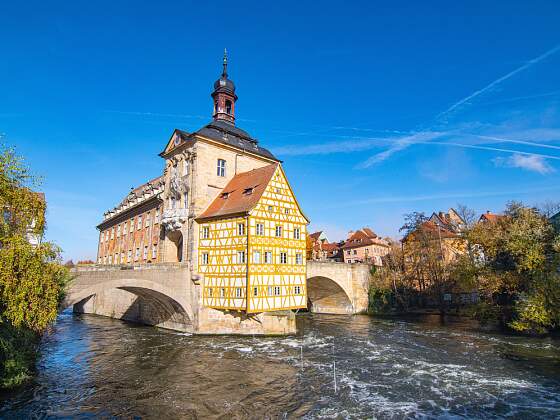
496 82
494 149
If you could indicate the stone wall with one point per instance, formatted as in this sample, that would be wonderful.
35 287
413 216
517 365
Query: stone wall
338 287
163 295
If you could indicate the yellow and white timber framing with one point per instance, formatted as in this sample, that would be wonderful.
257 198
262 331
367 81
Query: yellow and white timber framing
271 274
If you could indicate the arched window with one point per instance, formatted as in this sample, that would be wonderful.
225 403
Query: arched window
228 106
216 108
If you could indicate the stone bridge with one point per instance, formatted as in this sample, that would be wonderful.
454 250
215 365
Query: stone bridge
169 296
337 288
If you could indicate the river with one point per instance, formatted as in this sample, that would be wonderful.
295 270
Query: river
98 367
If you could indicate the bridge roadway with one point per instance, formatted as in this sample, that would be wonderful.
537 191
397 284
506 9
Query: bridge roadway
169 296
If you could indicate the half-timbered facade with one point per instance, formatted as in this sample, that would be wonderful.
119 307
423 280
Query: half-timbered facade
252 245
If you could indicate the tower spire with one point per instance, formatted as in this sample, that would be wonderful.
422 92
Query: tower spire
224 96
224 72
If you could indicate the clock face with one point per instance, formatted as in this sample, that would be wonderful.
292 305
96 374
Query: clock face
177 140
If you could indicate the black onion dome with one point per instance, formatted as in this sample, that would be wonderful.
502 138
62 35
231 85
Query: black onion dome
223 84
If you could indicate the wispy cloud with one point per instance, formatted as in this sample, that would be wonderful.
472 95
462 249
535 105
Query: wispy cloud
531 163
401 145
496 82
398 145
441 196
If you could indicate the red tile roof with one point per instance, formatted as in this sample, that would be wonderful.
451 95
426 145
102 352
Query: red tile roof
491 217
362 237
430 228
234 199
315 235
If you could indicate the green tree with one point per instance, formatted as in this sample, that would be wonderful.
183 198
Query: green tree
32 279
516 265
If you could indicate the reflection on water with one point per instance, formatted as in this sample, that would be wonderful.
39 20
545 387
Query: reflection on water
94 366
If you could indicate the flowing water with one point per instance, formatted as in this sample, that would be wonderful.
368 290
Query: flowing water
337 367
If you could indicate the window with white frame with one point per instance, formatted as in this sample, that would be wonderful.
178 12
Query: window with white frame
271 208
268 257
259 229
112 233
110 259
186 200
145 252
278 231
131 225
210 291
205 258
238 292
154 251
137 254
276 290
283 258
296 233
118 231
148 219
297 290
222 292
139 221
205 232
299 259
286 210
129 257
241 257
255 291
185 167
257 257
101 237
157 216
99 260
270 290
221 167
241 229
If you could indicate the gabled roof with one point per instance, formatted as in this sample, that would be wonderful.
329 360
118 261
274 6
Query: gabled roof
315 235
222 132
363 237
241 194
433 231
490 217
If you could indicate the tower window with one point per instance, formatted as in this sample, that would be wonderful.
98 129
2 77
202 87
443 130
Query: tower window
221 167
228 107
216 108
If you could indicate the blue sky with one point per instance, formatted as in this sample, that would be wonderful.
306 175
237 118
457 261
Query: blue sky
377 108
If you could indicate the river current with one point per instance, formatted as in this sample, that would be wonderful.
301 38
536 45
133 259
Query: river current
336 367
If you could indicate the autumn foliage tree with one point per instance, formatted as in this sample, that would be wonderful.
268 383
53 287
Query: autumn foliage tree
516 262
32 279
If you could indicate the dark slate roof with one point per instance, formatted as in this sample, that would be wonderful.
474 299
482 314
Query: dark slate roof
227 133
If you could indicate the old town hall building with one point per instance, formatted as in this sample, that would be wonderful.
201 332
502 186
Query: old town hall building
223 205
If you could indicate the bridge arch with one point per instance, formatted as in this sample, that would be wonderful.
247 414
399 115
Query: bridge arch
326 295
144 300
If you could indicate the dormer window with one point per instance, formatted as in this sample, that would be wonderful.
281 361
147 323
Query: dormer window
228 106
224 195
248 191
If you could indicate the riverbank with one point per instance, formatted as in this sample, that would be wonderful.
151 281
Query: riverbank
94 366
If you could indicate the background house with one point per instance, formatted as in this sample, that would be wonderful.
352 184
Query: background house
364 246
